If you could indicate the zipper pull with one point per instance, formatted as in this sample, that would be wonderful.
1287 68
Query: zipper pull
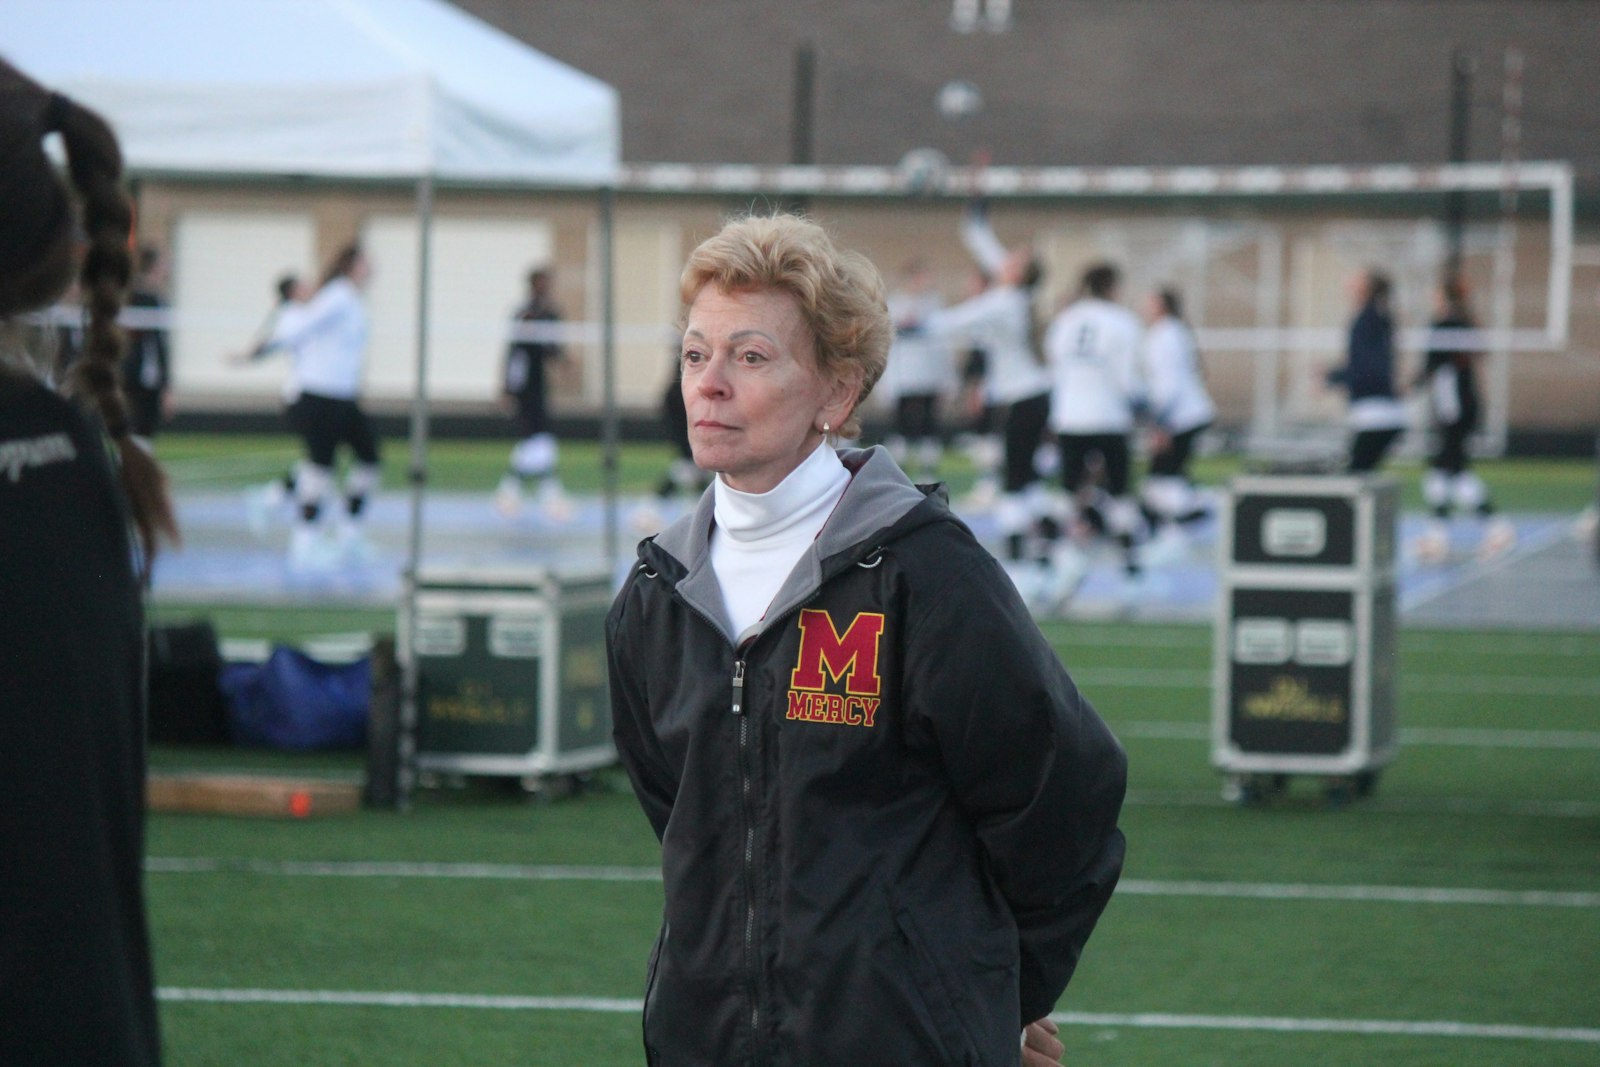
738 687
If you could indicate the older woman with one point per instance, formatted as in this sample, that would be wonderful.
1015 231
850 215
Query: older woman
888 818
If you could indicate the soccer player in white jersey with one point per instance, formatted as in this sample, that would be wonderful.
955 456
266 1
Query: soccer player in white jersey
919 374
1180 410
1092 349
1002 318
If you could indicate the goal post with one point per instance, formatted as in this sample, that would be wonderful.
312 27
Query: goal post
1260 252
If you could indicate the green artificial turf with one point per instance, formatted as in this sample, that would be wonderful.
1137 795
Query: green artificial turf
1170 977
502 900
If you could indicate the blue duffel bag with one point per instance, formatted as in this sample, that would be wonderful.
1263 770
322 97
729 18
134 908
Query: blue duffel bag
292 701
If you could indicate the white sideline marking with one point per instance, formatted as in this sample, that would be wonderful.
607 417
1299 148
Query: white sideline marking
1393 894
1582 646
1143 1020
1504 644
1461 737
529 873
331 869
397 1000
1542 809
1152 1020
1185 678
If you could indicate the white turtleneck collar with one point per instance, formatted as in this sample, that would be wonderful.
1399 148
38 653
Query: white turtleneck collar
759 537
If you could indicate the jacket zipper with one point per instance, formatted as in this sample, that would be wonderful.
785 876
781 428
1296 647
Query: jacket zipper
753 970
745 787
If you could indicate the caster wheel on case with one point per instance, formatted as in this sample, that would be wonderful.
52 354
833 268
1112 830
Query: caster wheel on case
1243 790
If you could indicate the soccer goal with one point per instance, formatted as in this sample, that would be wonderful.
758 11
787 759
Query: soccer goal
1263 256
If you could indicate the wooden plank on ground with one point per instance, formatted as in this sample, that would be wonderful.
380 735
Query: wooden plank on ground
240 794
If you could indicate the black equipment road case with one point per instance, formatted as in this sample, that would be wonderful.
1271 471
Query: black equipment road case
511 673
1305 641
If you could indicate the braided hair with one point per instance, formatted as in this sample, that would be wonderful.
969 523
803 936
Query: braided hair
40 229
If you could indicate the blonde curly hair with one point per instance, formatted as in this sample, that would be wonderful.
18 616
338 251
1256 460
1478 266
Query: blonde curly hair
840 293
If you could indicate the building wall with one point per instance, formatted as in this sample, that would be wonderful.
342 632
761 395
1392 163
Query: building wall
1081 82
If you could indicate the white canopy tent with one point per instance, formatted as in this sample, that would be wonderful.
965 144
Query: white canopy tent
415 91
326 88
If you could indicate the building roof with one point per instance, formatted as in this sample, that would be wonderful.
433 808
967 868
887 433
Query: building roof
1082 82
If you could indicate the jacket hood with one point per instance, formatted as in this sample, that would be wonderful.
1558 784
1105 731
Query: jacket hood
879 506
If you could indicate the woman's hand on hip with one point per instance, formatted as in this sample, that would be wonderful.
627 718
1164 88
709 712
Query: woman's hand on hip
1040 1046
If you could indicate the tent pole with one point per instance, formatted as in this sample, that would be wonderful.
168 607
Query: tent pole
608 355
418 476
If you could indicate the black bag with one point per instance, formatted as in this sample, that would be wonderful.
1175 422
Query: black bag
186 706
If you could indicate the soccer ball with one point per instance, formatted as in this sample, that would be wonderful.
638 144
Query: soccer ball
959 100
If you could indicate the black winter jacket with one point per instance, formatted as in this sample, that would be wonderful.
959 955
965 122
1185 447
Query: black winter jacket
1369 371
887 816
76 985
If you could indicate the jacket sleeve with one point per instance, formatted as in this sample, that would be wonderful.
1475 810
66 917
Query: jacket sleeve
654 783
1030 762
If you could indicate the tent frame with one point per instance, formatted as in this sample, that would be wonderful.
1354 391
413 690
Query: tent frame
418 437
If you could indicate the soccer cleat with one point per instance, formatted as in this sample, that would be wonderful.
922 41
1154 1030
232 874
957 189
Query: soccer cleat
554 502
311 551
983 497
353 547
1063 577
261 503
1499 537
1028 578
1433 547
1169 546
1587 523
508 497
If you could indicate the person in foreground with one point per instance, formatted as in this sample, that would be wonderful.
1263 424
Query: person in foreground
82 507
888 818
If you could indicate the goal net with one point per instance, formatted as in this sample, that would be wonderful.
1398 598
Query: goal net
1263 257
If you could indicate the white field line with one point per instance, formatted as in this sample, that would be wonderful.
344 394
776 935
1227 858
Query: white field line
1584 646
1453 737
1137 636
1390 805
1136 887
1185 678
1388 894
396 1000
1144 1020
357 869
1152 1020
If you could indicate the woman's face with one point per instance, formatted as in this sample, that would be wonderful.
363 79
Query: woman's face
755 400
1154 310
1359 286
1015 266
